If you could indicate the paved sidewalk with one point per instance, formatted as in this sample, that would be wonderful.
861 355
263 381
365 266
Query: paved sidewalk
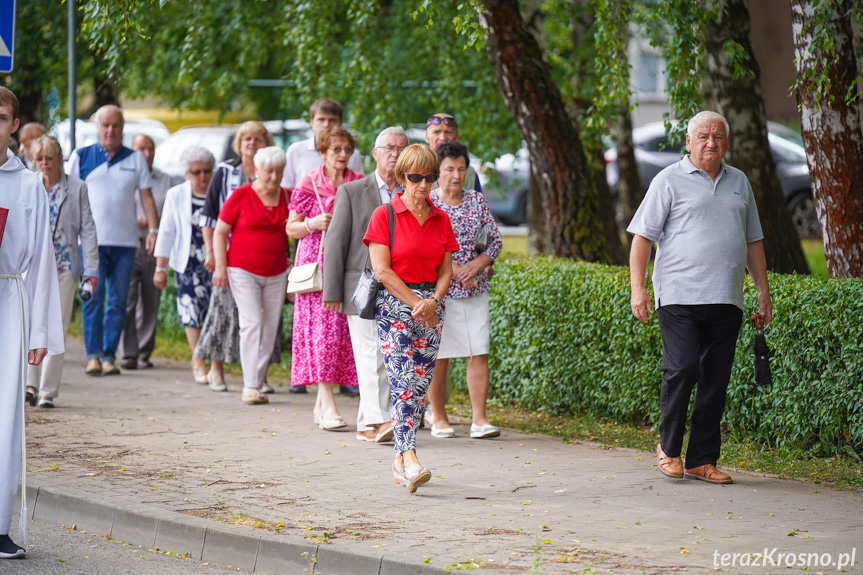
152 459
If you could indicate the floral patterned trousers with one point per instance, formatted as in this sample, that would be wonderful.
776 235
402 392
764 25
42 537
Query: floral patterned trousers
409 349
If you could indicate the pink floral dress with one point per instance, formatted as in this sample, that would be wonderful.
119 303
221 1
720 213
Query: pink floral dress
322 349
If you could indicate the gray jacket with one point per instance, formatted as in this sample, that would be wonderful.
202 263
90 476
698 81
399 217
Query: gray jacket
344 251
76 220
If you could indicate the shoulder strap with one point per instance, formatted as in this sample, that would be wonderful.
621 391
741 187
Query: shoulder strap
321 205
392 224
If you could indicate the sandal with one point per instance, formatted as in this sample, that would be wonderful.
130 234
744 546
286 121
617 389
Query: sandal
200 376
253 396
416 478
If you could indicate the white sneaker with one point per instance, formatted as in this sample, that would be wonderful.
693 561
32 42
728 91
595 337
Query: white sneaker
483 431
265 388
442 432
428 416
216 385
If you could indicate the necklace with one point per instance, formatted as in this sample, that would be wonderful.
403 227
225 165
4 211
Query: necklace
417 215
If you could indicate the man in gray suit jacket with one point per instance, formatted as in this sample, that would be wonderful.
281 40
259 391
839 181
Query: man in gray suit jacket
346 255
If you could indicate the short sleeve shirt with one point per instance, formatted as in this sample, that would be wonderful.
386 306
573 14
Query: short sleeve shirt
259 243
111 184
417 251
701 229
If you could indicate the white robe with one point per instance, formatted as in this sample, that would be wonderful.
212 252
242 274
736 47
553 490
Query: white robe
26 249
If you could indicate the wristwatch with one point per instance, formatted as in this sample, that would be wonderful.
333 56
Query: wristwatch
435 299
153 231
161 269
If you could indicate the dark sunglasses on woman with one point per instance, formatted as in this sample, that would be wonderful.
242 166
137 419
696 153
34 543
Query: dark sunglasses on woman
417 178
446 121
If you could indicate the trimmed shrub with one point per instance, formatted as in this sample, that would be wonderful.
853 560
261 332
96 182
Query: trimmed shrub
564 340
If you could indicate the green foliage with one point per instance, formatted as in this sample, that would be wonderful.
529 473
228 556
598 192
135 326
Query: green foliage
564 341
385 66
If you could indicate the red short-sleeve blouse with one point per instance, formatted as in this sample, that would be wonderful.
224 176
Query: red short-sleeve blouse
259 243
417 252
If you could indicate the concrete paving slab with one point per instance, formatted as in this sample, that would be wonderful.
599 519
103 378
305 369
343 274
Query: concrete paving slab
153 440
288 557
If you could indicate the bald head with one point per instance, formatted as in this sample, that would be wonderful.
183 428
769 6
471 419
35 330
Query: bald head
29 132
145 144
109 122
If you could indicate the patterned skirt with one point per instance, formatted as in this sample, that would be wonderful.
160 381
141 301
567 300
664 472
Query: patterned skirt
220 334
193 293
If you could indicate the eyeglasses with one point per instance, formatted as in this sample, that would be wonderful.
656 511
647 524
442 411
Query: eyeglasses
347 149
205 171
438 120
417 178
391 149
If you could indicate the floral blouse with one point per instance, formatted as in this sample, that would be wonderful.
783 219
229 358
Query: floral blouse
466 219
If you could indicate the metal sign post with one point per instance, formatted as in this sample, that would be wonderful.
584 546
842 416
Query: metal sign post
7 35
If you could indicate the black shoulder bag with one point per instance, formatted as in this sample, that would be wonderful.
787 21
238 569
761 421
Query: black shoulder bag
365 295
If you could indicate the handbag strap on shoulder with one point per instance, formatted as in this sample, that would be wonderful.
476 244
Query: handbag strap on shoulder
321 205
392 233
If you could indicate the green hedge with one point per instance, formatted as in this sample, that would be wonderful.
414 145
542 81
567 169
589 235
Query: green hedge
564 340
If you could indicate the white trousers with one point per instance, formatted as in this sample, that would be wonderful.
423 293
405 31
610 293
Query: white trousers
259 302
46 376
371 374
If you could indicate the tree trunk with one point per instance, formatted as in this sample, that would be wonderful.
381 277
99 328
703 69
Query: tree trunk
583 82
629 187
834 141
537 230
556 154
740 99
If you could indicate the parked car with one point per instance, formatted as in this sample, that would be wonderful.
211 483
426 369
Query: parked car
86 133
219 139
653 153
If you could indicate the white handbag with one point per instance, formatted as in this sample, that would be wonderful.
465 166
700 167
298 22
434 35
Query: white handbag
309 278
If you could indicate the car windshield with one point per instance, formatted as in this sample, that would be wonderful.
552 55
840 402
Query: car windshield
790 150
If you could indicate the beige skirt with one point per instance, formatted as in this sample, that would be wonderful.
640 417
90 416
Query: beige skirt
465 327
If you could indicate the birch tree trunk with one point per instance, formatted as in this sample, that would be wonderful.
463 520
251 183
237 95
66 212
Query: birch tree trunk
831 130
739 98
556 154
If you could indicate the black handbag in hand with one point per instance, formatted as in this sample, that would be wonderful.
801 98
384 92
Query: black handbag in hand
481 242
365 295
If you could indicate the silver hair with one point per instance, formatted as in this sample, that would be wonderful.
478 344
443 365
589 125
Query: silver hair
109 108
706 116
270 157
392 130
194 154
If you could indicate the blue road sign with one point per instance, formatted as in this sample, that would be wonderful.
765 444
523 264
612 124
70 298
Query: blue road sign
7 35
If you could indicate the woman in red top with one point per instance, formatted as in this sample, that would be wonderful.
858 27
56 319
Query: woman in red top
256 265
415 275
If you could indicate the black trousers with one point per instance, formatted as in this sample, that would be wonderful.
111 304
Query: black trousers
698 343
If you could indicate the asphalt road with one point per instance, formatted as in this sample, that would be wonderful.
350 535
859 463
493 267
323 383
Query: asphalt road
62 551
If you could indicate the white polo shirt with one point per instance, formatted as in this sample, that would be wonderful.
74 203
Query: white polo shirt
111 183
303 157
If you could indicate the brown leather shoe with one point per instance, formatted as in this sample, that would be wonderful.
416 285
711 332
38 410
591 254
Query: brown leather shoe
367 435
669 466
708 473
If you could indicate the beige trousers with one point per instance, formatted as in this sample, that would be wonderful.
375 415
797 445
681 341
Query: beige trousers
371 374
46 376
259 302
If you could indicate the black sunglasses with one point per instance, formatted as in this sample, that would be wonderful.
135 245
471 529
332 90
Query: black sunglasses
437 120
417 178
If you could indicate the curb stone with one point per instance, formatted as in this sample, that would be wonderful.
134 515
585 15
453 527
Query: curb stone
153 528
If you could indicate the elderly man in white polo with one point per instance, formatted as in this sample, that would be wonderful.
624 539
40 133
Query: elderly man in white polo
701 213
112 172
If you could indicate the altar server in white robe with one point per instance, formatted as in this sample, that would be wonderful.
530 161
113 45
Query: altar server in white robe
30 324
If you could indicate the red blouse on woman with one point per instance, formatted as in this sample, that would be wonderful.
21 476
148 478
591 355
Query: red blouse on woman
417 250
258 242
